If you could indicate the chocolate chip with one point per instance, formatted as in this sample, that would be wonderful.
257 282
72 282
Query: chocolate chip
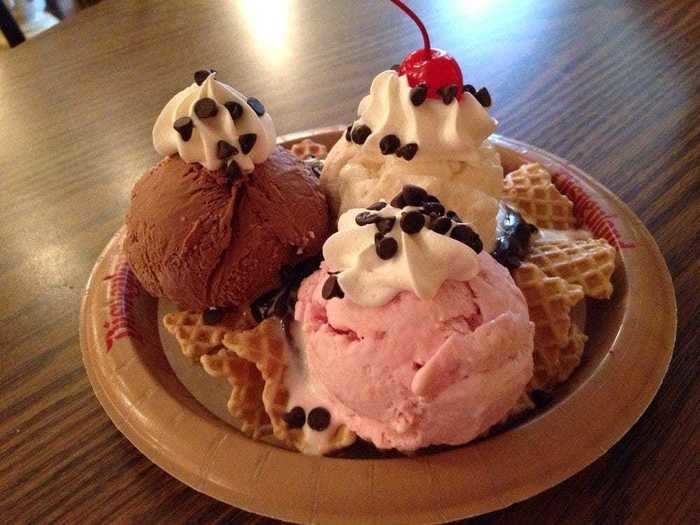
205 108
360 133
234 109
468 88
379 205
385 224
389 144
212 316
319 419
295 418
331 288
413 195
441 225
184 127
419 94
247 141
378 237
431 198
233 172
348 131
201 75
224 150
395 67
256 105
434 209
365 217
398 201
408 151
412 222
466 235
484 97
448 93
386 247
453 215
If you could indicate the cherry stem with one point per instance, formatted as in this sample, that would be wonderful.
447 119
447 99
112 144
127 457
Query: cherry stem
419 23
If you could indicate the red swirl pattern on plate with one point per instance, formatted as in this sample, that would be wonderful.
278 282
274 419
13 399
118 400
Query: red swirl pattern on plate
589 211
122 291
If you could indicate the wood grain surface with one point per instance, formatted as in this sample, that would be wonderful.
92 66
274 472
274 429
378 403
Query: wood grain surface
613 86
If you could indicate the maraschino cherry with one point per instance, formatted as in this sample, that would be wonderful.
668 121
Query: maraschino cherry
431 73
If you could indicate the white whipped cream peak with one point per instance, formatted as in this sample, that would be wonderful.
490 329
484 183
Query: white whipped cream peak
421 264
203 144
453 131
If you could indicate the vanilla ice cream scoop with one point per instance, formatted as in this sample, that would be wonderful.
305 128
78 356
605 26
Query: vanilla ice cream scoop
403 137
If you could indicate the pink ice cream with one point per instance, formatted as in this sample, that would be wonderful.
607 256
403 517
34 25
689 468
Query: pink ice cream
413 372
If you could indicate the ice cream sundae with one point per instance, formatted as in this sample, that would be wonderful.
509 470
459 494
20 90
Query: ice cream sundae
413 296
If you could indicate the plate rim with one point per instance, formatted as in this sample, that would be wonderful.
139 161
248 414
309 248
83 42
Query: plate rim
436 472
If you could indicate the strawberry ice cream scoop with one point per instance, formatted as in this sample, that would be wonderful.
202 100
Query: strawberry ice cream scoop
412 372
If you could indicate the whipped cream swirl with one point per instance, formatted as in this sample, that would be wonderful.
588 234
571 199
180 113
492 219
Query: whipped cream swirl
453 131
419 262
228 127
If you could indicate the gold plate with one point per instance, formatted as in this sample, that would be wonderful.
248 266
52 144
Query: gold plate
625 360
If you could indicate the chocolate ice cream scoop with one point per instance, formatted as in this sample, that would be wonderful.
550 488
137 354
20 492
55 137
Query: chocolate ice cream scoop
201 239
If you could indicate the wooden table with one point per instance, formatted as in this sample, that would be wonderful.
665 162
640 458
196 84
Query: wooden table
612 86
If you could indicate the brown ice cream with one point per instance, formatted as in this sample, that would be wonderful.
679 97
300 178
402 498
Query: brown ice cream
200 242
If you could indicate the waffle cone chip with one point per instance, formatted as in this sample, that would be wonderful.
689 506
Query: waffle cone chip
197 338
246 390
552 365
558 342
264 348
549 302
203 344
530 190
308 149
589 263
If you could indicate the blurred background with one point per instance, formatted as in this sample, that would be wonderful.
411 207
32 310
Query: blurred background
22 19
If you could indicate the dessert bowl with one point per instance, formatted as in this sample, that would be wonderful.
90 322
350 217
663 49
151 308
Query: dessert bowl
630 345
